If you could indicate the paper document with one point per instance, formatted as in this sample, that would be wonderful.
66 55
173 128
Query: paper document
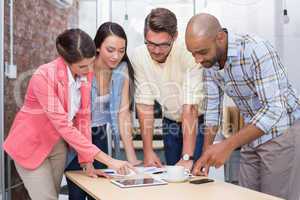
150 170
140 170
114 173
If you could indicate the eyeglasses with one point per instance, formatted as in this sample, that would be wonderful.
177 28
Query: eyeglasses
162 46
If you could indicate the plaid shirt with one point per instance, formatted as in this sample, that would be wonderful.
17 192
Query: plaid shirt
257 82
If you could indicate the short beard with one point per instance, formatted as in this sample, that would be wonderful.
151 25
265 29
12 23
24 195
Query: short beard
165 58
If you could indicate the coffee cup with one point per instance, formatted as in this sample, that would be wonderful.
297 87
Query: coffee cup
176 173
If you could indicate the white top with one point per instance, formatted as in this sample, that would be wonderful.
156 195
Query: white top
74 94
101 112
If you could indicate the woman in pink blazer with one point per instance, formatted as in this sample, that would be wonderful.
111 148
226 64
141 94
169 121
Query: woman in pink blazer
57 110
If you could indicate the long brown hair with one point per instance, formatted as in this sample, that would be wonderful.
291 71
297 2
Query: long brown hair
111 28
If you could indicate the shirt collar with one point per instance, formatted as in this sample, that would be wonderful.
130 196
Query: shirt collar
70 76
83 79
232 50
78 79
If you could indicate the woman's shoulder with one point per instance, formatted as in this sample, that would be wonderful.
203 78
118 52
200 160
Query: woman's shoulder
52 70
46 68
121 66
120 71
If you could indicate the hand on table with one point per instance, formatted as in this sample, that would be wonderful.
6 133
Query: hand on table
90 171
152 160
122 167
215 155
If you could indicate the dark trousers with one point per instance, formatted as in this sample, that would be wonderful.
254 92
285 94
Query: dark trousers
173 140
99 138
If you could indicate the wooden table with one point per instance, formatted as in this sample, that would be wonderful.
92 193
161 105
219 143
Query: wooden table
103 189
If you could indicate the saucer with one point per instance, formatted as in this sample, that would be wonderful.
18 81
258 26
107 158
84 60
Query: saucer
165 177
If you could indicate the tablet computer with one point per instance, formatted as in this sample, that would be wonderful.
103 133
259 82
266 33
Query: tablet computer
138 182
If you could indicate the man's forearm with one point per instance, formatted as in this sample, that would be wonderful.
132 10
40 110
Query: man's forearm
146 120
189 128
209 136
244 136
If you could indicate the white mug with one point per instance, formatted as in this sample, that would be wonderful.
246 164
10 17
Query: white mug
176 173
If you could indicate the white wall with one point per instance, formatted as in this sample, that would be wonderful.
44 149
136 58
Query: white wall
264 18
87 17
90 18
291 43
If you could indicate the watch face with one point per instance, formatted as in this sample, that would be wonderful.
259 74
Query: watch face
186 157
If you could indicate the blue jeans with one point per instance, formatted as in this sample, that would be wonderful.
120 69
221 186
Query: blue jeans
173 140
100 140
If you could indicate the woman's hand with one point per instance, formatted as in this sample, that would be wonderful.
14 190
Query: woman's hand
121 167
90 171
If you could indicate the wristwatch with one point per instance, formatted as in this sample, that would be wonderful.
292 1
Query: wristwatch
187 157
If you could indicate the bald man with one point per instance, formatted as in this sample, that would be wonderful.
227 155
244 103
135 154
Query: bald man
248 69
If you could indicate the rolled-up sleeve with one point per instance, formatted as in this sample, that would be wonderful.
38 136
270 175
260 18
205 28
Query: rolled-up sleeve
192 80
268 74
213 100
143 91
192 86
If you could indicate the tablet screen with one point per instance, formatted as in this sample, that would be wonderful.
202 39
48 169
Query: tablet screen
138 182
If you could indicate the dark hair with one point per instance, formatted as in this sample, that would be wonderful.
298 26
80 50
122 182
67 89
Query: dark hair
161 20
74 45
111 28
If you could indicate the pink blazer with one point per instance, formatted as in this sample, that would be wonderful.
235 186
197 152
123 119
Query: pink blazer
43 119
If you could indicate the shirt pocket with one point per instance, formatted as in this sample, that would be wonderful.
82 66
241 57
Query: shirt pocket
241 87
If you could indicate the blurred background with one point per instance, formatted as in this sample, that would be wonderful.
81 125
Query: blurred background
29 28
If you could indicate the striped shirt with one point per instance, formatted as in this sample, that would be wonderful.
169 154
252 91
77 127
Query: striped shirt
257 82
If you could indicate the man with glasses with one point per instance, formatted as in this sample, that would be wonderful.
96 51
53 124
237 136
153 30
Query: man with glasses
166 72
